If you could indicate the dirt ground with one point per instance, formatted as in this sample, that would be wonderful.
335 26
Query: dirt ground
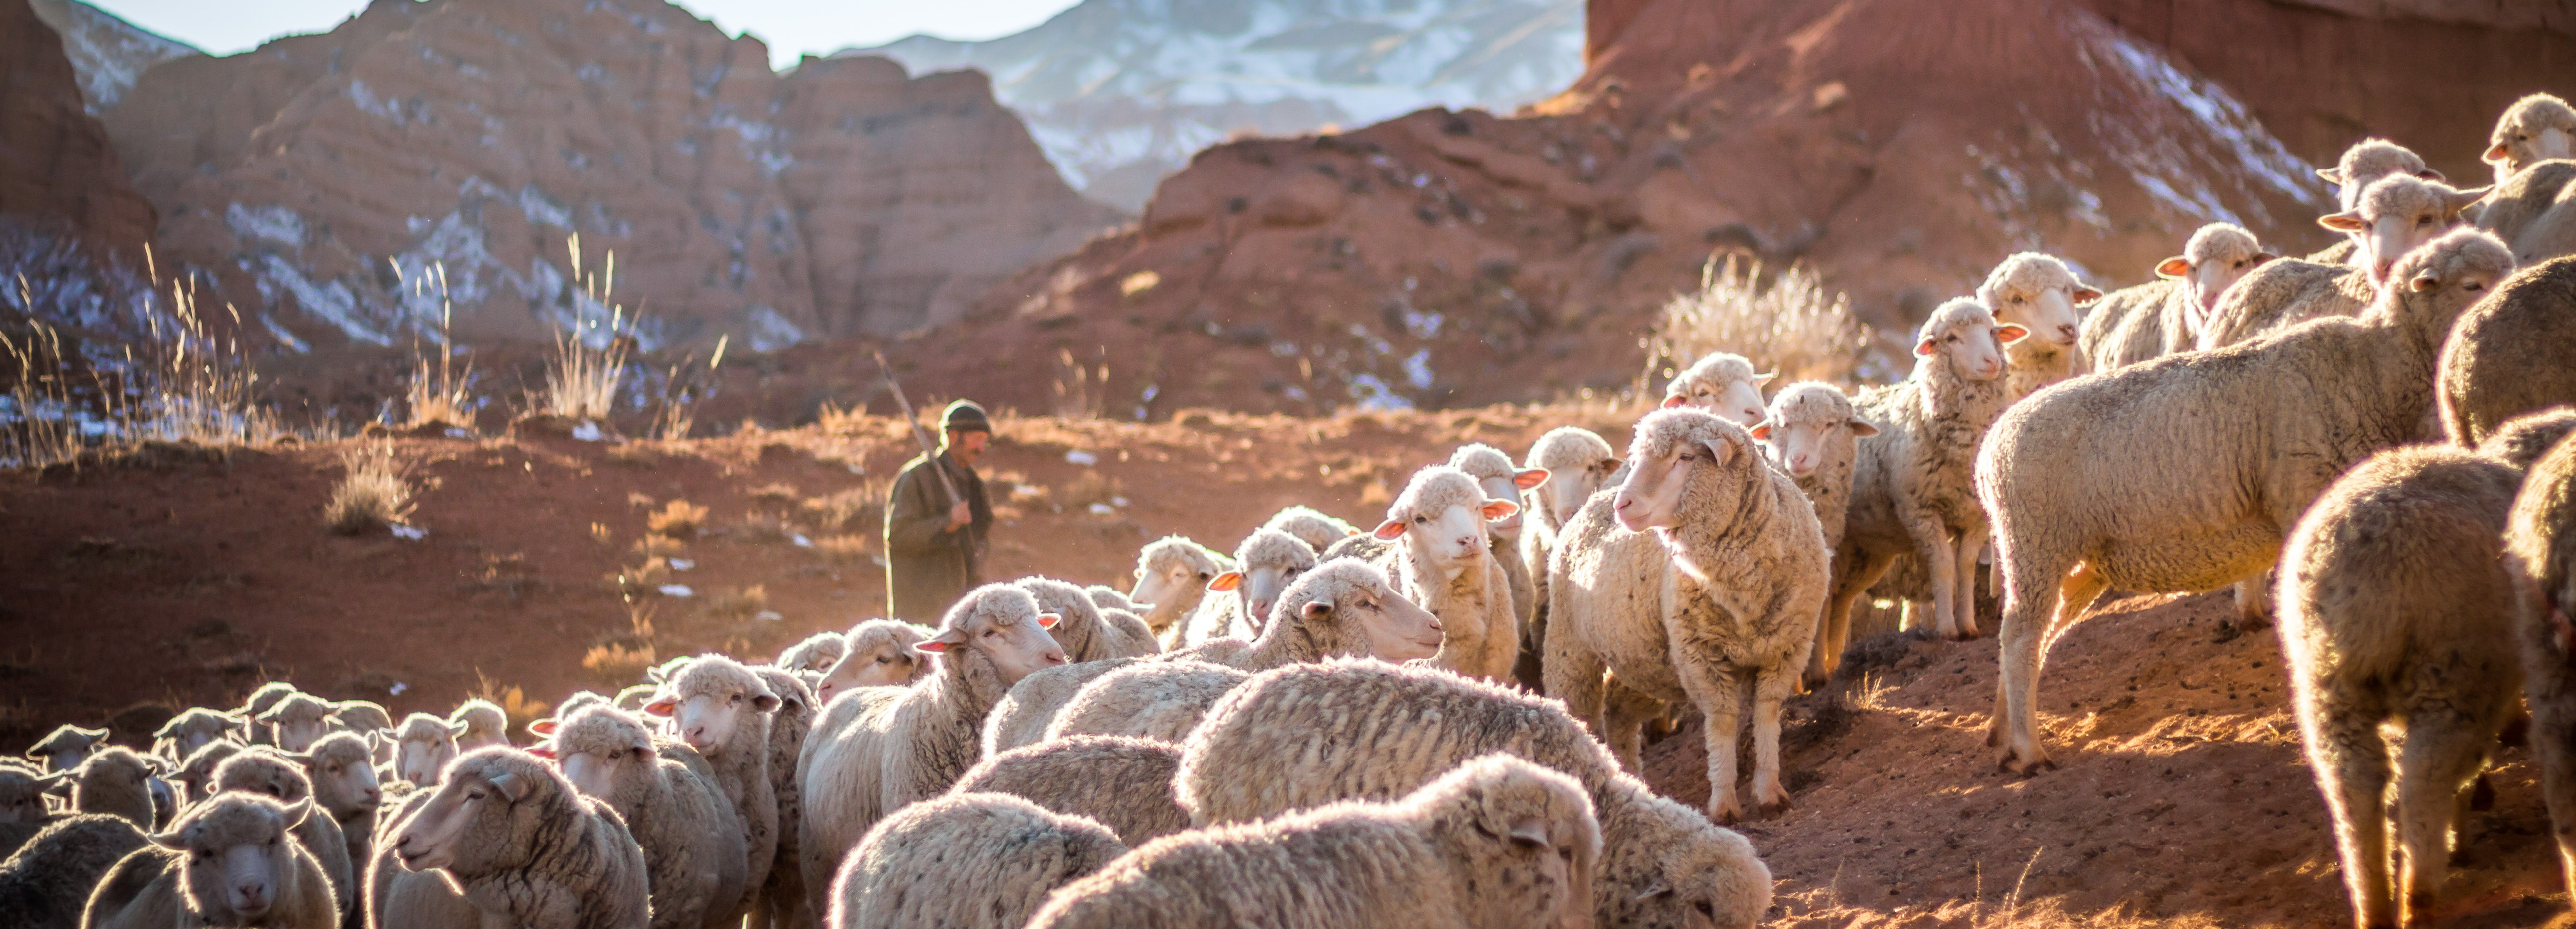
176 579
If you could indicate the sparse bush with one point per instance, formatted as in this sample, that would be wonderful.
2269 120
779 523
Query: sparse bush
842 549
513 702
761 527
373 495
774 492
1792 327
590 361
617 664
678 519
659 546
735 605
859 507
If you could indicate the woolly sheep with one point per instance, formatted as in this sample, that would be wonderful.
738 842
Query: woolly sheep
1172 574
280 777
882 653
1497 842
1503 480
2165 315
401 899
818 652
2396 215
1154 700
189 731
342 769
2540 554
298 720
2365 162
2534 211
1812 433
965 861
2395 607
2037 292
782 899
583 699
1578 463
2534 128
1910 482
527 848
224 864
1447 566
47 884
875 749
2509 354
114 781
1121 782
260 702
1083 629
66 747
1310 526
722 709
22 795
1722 383
1360 729
693 844
362 718
197 774
1022 715
423 745
485 725
1264 563
2181 474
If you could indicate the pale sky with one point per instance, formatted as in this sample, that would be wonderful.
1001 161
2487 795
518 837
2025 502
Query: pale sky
791 27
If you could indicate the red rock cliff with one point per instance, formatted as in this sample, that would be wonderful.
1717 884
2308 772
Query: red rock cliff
57 170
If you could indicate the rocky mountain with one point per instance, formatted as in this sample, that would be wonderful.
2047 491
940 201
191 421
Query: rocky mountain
332 184
1123 92
107 52
59 177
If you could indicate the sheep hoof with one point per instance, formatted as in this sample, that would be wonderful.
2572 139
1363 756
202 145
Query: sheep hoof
1774 806
2015 762
2482 795
1725 812
1812 681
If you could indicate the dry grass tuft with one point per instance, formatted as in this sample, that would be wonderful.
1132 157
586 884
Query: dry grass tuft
775 492
617 664
372 496
842 549
513 701
659 546
856 508
735 605
1792 327
678 519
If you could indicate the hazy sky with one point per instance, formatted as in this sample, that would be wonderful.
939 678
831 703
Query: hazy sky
791 27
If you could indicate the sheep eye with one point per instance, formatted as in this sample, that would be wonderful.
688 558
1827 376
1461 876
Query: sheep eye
881 659
737 698
1422 520
989 633
1705 909
2473 287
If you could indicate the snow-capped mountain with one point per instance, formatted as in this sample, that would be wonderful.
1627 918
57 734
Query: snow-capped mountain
1121 92
107 52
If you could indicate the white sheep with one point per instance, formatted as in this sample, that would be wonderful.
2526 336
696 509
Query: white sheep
423 745
1721 383
2183 474
189 731
1172 574
1121 782
2362 164
2540 554
1447 565
1022 715
281 777
401 899
66 747
112 780
298 720
2039 293
196 775
1503 480
2508 354
695 850
817 652
722 709
2534 128
342 770
1498 842
1153 699
225 863
258 703
1264 563
485 724
875 749
1318 530
2165 315
526 848
882 653
2534 211
1578 463
1083 629
1307 735
965 861
1812 433
2396 215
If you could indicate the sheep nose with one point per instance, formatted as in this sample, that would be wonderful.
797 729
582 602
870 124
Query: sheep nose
252 892
1053 656
1260 608
2067 331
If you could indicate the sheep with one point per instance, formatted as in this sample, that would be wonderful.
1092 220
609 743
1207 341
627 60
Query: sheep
280 776
1497 842
2037 292
1721 383
1087 632
722 709
882 653
579 700
115 781
1109 598
66 747
2534 211
344 780
485 724
2165 315
223 864
1264 564
363 718
2397 214
875 749
524 846
400 899
259 702
782 898
47 884
1910 493
2184 473
2508 355
22 803
1503 480
423 745
1121 782
1172 574
2365 162
1578 462
298 720
2395 607
2540 555
1155 700
189 731
695 853
818 652
1447 566
1310 526
1812 433
197 773
1022 715
1361 729
965 861
2534 128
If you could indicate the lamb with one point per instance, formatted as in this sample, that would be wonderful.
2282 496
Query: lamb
1721 383
2395 607
782 899
1310 526
66 747
2534 128
1172 574
1910 491
1812 433
818 652
1154 700
882 653
189 731
2181 474
1264 564
2508 355
197 774
47 884
722 709
298 720
1502 480
2364 163
1121 782
965 861
423 745
2540 554
1578 462
1448 567
1086 632
525 847
1498 842
279 776
260 702
2397 215
694 848
2165 315
875 749
343 774
2037 292
1360 729
485 725
222 864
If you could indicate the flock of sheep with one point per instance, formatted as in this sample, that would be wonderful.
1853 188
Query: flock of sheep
1435 722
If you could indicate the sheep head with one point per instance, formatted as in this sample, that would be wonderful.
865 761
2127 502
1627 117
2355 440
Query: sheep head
2535 128
192 730
342 769
237 857
2039 293
1264 565
2431 286
709 700
1676 455
1442 515
1721 383
423 746
1351 608
22 795
1534 818
1578 463
2398 214
880 653
491 795
300 720
607 754
2218 255
997 627
67 747
1804 421
1169 572
1495 472
1962 334
2369 160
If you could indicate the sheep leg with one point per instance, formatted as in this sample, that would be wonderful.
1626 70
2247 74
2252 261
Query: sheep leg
1573 674
1971 542
2351 764
2553 744
2254 603
1625 714
1721 703
1770 686
1932 543
1854 571
2444 751
2041 597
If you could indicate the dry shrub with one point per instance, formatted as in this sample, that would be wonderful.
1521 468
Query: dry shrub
1792 327
643 580
857 507
734 605
762 527
513 701
678 519
659 546
617 664
842 549
373 495
1088 488
776 492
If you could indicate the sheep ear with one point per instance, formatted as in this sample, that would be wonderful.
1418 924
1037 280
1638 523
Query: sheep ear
454 729
547 725
2173 267
1759 431
1049 620
546 752
1766 377
2496 154
510 785
2087 295
2010 333
768 703
95 735
1720 451
59 782
1530 479
2261 257
1861 428
1389 530
271 715
2342 222
1227 581
173 840
1923 348
662 707
2461 200
1317 611
1529 832
2432 175
296 811
1672 400
2424 282
941 643
2331 175
1612 465
1500 509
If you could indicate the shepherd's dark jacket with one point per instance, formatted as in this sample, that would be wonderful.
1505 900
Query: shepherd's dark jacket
928 565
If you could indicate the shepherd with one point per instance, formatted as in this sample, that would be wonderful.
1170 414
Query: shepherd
938 522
